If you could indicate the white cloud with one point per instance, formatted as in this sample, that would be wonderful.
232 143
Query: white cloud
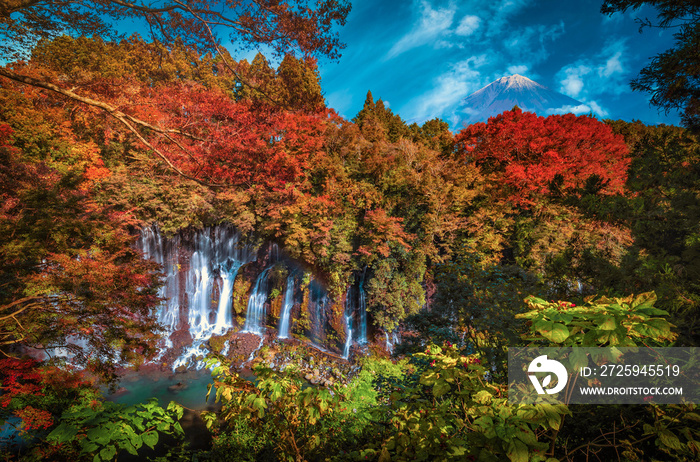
433 23
522 69
462 79
605 73
502 10
612 66
614 63
597 109
511 6
529 45
445 44
468 25
572 84
585 108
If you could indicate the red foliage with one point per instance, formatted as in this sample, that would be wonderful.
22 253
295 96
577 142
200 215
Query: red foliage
383 232
239 144
32 392
27 377
19 376
526 152
34 419
75 258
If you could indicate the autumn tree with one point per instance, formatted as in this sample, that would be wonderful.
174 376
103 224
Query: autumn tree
528 155
301 26
222 141
662 213
376 121
435 134
69 273
294 86
301 83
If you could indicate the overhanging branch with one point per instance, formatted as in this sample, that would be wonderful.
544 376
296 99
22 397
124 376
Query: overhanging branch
127 120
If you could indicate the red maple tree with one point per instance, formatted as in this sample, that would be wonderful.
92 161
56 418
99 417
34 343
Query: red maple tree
530 155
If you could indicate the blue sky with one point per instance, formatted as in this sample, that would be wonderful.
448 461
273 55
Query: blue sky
423 56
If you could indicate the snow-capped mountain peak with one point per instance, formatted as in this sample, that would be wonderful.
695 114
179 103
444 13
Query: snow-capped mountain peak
515 90
518 81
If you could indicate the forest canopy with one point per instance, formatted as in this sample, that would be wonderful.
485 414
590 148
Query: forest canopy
460 238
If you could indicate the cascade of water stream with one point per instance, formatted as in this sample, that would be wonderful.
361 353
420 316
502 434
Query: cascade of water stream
167 254
318 303
217 255
349 310
391 340
283 329
200 271
362 309
256 305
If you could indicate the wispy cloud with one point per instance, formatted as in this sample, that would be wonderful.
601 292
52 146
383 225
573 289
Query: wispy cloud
592 79
449 89
433 23
530 45
519 69
502 11
585 108
572 82
614 62
468 25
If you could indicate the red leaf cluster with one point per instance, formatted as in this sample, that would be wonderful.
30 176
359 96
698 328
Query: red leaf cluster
525 152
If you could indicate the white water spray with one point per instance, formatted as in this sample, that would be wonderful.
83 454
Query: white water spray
283 329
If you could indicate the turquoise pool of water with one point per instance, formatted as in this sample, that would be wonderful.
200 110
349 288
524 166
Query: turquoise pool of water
188 389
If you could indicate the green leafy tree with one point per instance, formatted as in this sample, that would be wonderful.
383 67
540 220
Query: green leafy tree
102 430
277 408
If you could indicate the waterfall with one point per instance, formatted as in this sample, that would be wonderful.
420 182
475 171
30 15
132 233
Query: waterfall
199 286
283 330
391 340
166 254
224 317
216 256
274 253
349 309
362 308
256 306
317 305
200 270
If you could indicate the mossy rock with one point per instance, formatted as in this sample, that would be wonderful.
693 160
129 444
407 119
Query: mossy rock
216 343
241 292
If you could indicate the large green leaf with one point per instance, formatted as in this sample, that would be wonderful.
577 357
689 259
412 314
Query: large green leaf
441 387
150 439
517 451
555 332
108 452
